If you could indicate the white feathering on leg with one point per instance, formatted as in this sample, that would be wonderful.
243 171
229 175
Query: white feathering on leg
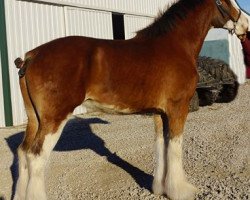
22 181
177 187
159 174
37 163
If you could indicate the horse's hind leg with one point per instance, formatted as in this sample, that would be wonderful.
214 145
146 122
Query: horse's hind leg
32 127
22 163
176 185
47 136
47 115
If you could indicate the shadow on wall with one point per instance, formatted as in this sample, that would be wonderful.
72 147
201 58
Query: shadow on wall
78 135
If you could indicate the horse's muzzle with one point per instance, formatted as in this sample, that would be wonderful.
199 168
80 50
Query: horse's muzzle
242 37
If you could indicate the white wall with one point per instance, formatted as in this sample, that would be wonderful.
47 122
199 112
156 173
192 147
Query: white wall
28 25
31 24
236 58
89 23
139 7
217 34
132 24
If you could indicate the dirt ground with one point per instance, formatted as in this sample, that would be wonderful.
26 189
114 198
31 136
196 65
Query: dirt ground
111 157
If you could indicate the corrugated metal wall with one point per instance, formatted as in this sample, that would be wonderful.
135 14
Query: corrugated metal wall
140 7
31 24
28 25
80 22
2 118
89 23
234 51
236 58
134 23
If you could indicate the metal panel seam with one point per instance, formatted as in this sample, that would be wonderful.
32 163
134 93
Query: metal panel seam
60 3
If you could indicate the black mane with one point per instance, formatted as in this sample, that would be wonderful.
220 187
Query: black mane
166 21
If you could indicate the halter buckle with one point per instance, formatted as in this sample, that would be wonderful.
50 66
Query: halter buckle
218 2
232 31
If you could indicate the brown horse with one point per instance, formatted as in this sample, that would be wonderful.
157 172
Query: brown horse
153 72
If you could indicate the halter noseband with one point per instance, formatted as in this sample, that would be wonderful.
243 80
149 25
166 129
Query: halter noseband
224 12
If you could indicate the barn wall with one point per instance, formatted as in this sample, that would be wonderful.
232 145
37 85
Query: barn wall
91 23
220 44
28 25
218 49
236 58
139 7
31 23
134 23
80 21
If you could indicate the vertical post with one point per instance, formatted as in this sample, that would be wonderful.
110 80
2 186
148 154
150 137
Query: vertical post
5 68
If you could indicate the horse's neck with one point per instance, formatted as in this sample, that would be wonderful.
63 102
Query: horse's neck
198 29
192 31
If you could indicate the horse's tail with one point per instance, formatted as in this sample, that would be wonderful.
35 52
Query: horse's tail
19 63
22 64
31 111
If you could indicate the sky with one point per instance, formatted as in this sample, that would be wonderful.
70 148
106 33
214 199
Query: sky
244 4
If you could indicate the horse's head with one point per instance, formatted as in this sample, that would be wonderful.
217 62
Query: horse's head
229 16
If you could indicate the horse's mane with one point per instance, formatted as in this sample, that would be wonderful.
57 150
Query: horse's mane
166 21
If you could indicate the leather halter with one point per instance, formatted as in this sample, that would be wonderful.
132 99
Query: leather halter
224 12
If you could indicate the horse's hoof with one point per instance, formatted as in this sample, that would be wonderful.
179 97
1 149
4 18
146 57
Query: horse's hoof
158 188
181 191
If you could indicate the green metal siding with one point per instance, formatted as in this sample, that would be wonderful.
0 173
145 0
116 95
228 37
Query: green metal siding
5 68
216 49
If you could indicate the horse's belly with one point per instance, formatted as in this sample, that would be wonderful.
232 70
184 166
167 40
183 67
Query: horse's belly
94 106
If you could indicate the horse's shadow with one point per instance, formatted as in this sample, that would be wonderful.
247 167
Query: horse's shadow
77 135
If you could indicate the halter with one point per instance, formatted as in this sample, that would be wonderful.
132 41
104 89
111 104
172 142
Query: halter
225 12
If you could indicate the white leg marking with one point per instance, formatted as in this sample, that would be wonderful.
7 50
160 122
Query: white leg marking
23 176
159 174
177 187
36 163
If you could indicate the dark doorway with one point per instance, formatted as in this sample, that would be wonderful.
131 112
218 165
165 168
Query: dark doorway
118 26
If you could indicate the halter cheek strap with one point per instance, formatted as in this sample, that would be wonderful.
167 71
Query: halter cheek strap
224 12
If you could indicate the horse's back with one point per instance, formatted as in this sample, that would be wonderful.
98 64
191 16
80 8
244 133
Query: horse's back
127 76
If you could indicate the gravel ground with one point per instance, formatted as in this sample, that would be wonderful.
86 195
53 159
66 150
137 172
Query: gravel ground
111 157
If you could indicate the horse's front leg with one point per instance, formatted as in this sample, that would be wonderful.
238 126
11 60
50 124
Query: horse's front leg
160 151
176 184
